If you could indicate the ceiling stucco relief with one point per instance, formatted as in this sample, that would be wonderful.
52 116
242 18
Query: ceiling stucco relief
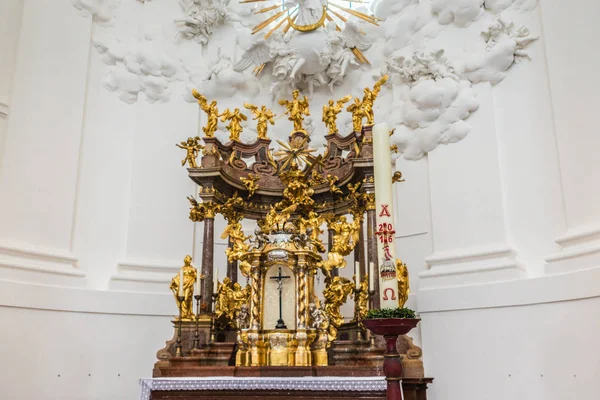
505 46
209 45
101 11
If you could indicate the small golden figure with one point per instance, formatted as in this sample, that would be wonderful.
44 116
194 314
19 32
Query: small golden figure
403 283
312 227
263 116
397 177
229 300
361 299
344 240
211 111
369 98
192 146
331 111
358 114
296 109
332 184
239 247
250 183
189 278
235 119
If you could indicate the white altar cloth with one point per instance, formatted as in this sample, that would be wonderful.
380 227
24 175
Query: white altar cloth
333 383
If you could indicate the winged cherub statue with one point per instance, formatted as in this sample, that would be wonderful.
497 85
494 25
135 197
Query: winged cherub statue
296 109
331 111
263 116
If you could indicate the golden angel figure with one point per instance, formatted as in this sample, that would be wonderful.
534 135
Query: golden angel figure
239 246
403 283
336 292
192 146
312 226
296 109
211 111
221 296
369 98
263 116
331 111
235 119
358 113
250 183
189 278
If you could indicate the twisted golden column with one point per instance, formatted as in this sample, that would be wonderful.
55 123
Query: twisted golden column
302 298
255 298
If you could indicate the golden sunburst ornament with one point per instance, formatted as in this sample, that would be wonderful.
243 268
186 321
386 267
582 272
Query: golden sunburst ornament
295 154
307 15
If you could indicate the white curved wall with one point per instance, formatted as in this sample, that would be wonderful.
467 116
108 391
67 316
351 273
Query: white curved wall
93 218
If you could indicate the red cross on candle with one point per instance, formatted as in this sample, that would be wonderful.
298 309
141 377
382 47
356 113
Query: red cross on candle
386 236
386 233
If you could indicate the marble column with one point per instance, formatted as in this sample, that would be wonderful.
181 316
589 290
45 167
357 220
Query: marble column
359 251
232 270
208 247
372 253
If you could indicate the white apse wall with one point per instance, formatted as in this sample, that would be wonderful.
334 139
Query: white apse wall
501 231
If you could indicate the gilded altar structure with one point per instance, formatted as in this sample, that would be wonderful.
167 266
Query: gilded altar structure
297 198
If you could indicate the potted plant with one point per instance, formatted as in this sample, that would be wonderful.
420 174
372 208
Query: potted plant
391 323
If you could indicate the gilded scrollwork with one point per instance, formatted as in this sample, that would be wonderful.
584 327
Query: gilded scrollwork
201 211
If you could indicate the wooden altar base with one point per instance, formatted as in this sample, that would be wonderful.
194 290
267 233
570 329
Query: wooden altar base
413 388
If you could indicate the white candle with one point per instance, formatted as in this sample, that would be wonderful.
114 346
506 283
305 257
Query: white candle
357 273
384 203
371 276
198 288
181 282
216 280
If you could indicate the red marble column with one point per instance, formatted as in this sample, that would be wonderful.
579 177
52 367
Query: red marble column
372 254
232 270
208 248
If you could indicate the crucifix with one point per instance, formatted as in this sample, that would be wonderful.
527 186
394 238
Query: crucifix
279 278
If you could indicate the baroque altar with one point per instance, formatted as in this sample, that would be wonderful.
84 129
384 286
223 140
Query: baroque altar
292 194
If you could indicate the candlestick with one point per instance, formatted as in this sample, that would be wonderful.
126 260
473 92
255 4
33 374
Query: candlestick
384 203
181 282
357 273
178 347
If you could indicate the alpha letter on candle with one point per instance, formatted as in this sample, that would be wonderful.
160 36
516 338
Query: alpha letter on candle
382 164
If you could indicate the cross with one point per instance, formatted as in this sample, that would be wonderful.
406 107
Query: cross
386 236
279 278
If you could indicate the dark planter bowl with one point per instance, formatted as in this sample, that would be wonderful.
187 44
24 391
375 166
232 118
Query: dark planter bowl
391 326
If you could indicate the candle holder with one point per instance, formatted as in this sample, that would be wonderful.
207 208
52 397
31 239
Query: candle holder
371 302
212 319
390 329
178 352
196 345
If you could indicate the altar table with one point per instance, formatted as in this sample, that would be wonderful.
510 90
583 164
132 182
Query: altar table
310 387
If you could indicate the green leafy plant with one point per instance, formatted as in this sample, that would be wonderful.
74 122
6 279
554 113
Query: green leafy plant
391 313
